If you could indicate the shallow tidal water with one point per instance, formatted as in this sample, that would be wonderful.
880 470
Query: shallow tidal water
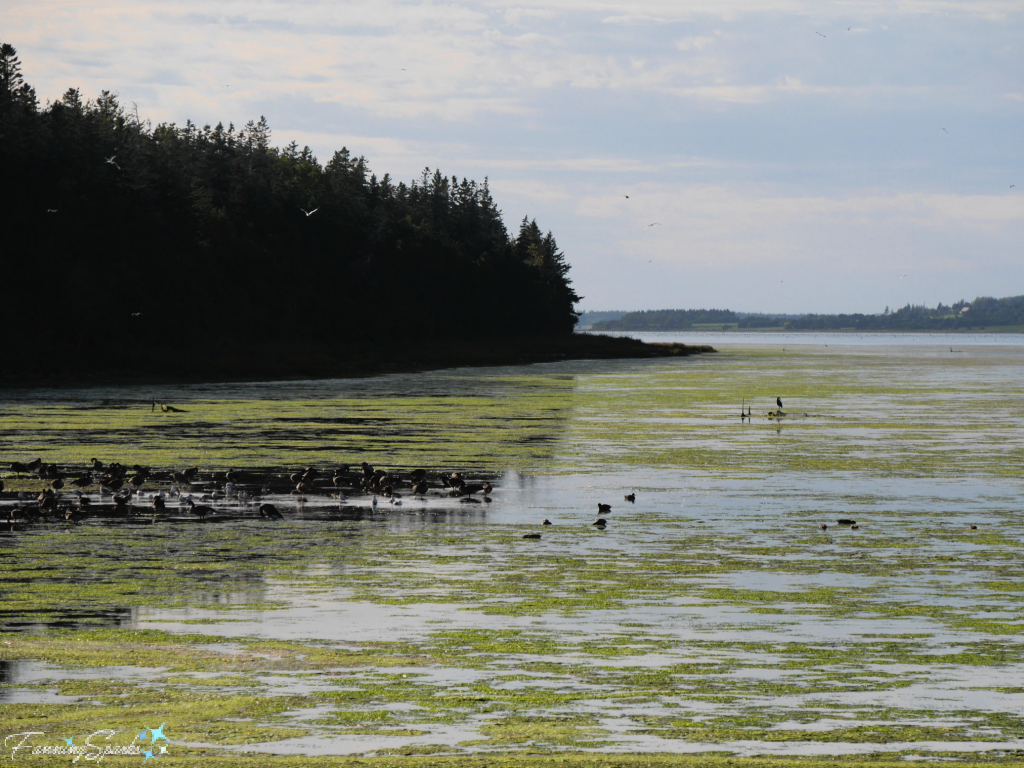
713 614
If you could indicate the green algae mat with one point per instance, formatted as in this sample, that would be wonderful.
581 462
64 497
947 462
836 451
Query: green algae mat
711 621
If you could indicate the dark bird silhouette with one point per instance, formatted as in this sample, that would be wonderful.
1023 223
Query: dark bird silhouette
269 511
819 33
823 527
82 482
854 527
604 508
158 503
631 498
778 401
198 509
532 536
974 527
420 488
57 484
845 521
74 515
600 522
546 522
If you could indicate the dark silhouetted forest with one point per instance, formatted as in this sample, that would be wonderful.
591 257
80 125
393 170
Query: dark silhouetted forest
120 237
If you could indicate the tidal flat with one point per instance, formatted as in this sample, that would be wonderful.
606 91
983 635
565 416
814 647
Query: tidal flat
712 618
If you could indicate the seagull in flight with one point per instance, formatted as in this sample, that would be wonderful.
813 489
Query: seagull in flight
902 276
847 29
945 130
54 210
1011 187
627 197
110 160
309 213
652 224
136 314
819 33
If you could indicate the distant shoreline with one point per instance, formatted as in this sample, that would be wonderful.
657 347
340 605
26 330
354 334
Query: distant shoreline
1007 329
308 360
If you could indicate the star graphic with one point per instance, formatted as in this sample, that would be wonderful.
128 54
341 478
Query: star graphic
141 735
158 733
68 741
163 750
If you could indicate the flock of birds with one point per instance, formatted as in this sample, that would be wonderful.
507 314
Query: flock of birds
121 491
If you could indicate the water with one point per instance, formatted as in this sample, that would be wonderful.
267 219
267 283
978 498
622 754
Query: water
746 339
712 614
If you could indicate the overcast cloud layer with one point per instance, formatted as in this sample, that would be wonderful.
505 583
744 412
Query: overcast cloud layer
797 156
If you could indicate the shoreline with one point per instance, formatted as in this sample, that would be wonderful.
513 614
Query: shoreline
998 330
305 360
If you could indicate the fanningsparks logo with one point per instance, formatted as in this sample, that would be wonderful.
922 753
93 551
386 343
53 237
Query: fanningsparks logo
90 747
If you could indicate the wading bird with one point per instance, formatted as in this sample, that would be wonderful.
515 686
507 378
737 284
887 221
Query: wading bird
778 401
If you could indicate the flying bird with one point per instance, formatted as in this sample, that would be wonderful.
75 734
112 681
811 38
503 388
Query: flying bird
1011 187
653 224
627 197
136 314
945 130
110 160
848 29
309 213
819 33
902 276
54 210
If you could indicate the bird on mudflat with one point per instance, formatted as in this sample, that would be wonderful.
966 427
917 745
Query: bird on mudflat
604 507
823 527
269 511
198 509
532 536
631 498
778 401
546 522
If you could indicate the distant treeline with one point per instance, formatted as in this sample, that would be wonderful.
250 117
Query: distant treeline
666 320
983 312
119 237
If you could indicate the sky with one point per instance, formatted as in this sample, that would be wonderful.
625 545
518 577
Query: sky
793 156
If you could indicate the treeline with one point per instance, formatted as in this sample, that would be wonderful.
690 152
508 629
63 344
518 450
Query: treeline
119 237
666 320
983 312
